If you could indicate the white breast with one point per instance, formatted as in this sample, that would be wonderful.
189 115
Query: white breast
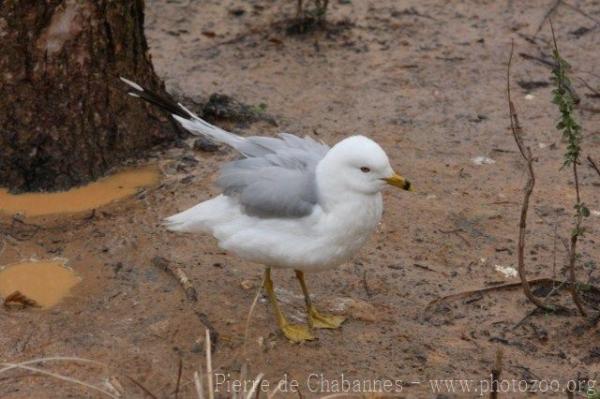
348 227
317 242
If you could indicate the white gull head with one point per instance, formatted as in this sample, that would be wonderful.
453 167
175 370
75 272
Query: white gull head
357 166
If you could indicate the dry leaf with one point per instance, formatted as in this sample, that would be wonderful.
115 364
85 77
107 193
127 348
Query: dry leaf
275 40
17 300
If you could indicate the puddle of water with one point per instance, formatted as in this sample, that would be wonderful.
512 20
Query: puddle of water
91 196
44 282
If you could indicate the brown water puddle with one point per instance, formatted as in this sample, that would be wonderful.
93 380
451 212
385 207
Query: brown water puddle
45 282
91 196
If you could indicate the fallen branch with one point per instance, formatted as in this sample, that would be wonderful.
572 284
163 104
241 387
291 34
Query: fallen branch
180 276
501 287
556 284
527 156
190 293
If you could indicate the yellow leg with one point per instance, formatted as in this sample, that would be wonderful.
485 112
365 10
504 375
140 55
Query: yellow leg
316 319
293 332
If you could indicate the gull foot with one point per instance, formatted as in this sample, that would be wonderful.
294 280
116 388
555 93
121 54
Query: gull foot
297 333
319 320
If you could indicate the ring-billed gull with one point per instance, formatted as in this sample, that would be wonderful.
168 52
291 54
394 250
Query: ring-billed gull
289 202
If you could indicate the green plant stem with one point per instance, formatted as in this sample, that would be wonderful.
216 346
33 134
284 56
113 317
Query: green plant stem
572 133
573 250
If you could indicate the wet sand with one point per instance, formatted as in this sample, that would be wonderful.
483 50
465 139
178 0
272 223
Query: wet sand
44 282
91 196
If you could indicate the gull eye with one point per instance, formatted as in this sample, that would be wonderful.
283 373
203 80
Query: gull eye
364 169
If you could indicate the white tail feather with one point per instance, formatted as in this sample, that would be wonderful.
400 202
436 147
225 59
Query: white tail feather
190 113
131 83
201 217
190 121
199 126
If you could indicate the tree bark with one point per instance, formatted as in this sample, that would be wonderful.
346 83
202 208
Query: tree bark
64 116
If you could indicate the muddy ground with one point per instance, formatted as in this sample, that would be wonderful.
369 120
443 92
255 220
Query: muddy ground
426 80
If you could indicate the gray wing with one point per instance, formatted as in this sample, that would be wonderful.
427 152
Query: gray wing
277 177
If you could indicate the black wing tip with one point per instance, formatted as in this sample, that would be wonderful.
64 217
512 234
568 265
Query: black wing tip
136 90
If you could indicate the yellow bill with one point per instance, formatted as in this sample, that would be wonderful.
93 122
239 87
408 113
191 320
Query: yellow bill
398 181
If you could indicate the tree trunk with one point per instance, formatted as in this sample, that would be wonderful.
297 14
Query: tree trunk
64 116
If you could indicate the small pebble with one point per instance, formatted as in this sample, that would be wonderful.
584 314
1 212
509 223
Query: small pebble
481 160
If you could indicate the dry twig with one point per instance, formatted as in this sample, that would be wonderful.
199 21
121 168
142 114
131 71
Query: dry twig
26 365
527 156
555 288
179 274
179 371
554 7
496 371
249 317
142 387
507 286
190 293
547 15
593 165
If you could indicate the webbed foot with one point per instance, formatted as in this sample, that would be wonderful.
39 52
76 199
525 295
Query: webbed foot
319 320
297 333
